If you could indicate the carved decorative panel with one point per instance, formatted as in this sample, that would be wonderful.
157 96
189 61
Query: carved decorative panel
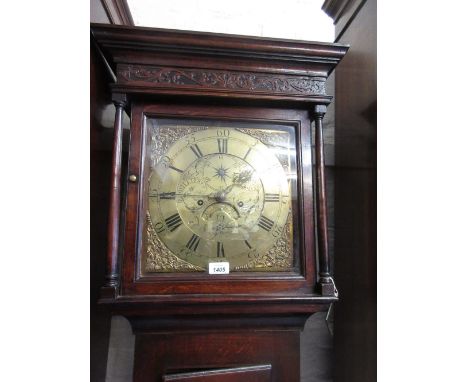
164 77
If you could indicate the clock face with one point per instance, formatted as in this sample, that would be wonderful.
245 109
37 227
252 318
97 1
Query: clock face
219 194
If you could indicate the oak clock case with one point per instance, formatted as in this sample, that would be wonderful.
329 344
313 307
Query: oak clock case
221 186
219 169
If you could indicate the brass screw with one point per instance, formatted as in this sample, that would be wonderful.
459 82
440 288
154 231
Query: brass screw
132 178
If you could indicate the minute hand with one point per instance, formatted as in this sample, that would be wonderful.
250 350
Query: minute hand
170 195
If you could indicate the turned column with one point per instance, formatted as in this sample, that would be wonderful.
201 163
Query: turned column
112 277
327 286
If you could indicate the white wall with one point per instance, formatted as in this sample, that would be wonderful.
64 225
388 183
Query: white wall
291 19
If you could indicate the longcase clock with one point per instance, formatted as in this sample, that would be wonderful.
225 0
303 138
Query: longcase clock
220 252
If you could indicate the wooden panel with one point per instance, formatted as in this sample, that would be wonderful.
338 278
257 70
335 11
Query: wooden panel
158 355
342 12
355 201
239 374
217 81
350 11
100 160
356 94
355 337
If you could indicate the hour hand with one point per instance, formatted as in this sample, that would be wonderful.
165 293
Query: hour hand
238 180
219 196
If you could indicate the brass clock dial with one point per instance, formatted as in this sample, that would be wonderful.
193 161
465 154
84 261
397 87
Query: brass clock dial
219 194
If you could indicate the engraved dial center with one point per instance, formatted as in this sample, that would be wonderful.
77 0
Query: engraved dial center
233 192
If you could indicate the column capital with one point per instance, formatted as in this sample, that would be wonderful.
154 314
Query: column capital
319 110
119 99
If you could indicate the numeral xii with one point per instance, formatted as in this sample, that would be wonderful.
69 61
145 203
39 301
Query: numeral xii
222 145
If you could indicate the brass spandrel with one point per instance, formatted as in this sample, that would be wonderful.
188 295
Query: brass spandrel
159 257
278 258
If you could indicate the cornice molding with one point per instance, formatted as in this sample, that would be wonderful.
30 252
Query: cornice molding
163 61
118 12
152 40
335 8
